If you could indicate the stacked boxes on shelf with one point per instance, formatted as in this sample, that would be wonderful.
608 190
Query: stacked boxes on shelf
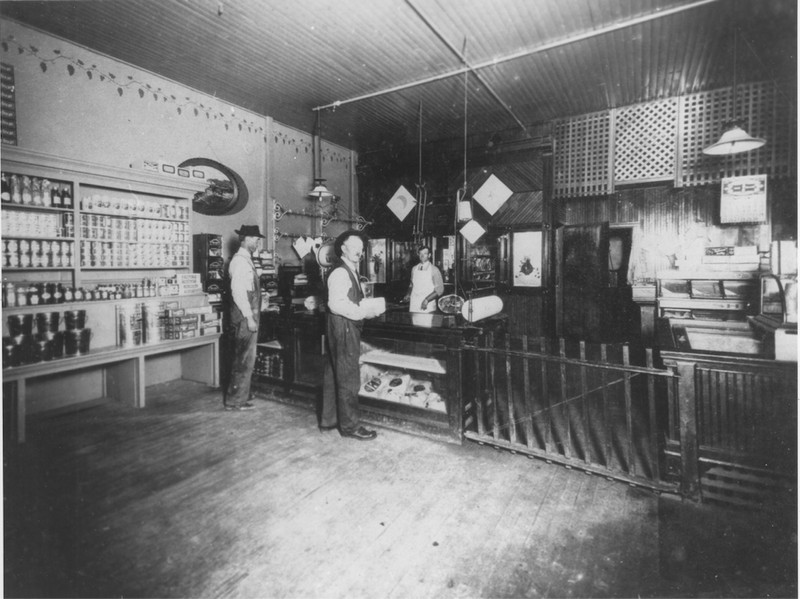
151 322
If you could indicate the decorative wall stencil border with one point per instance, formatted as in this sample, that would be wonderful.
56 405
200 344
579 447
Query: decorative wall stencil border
301 142
129 83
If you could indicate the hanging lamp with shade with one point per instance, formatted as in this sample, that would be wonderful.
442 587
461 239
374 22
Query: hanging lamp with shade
734 139
320 190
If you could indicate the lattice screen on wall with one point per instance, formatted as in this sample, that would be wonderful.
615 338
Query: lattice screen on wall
663 141
764 111
581 162
644 142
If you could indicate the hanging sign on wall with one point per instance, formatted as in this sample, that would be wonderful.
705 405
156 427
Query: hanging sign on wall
401 203
744 199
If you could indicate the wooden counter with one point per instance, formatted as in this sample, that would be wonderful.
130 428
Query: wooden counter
415 351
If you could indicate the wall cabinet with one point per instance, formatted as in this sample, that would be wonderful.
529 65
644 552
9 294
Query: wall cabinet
80 224
73 231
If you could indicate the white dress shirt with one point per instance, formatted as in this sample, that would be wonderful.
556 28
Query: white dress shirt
242 272
339 283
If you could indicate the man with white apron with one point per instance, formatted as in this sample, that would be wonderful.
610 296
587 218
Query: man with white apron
426 284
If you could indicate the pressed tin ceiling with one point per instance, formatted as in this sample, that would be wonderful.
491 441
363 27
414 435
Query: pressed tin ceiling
527 62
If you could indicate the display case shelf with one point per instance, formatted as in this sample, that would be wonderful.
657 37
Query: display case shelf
393 360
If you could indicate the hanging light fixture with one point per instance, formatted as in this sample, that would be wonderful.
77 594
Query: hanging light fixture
734 139
320 191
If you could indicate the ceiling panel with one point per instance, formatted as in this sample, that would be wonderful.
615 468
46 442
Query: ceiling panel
532 60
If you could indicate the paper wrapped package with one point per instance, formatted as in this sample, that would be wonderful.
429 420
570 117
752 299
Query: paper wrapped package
482 307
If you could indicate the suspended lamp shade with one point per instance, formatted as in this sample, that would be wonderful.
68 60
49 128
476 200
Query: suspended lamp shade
464 210
734 140
320 191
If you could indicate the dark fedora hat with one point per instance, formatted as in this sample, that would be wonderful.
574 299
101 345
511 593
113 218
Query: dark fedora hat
249 231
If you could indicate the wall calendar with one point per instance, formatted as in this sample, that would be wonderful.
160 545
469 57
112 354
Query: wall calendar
744 199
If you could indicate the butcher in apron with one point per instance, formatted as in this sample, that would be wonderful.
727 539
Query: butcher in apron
426 284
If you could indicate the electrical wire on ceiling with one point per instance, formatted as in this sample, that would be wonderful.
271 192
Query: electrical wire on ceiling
421 192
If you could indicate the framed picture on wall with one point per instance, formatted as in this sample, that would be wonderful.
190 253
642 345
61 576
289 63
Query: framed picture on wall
526 259
401 260
377 261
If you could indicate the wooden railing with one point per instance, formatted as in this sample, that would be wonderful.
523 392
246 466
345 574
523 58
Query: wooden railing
738 413
598 408
669 422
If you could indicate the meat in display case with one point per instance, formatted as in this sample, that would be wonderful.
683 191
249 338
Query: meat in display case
403 379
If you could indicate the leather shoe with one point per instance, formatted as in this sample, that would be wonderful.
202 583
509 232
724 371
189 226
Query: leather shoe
325 429
361 433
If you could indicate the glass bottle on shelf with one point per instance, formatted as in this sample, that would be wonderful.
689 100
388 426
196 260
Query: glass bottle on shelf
5 191
36 191
25 190
9 295
66 196
55 196
16 189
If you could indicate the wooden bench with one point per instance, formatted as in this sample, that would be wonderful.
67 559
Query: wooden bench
123 371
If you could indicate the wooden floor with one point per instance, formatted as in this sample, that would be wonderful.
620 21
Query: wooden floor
182 499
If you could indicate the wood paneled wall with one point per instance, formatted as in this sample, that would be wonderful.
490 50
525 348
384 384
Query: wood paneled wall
670 224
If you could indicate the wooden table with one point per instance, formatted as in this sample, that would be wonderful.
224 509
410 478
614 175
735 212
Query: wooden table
123 371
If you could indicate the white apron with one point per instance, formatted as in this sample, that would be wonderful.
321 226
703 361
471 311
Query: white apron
421 287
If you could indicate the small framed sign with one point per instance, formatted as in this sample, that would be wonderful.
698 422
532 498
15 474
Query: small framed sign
744 200
526 258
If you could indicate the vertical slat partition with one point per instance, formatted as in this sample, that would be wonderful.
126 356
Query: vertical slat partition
725 431
567 443
527 400
653 423
492 382
626 360
548 418
606 425
512 424
584 410
479 390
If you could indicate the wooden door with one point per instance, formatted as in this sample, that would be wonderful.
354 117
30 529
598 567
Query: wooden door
581 280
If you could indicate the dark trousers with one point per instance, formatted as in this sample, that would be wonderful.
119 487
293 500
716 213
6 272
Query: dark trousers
244 359
342 374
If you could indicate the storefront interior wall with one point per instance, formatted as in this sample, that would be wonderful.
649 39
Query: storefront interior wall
80 105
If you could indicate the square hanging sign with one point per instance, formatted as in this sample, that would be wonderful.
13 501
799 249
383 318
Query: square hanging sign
401 203
472 231
492 194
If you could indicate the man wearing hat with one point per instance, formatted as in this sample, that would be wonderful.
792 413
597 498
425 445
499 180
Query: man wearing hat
244 312
345 318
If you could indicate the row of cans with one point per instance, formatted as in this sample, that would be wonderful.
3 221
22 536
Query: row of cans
37 224
136 206
94 226
122 254
35 253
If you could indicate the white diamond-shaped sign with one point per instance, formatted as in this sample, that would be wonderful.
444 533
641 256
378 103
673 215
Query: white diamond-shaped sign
401 203
492 194
472 231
